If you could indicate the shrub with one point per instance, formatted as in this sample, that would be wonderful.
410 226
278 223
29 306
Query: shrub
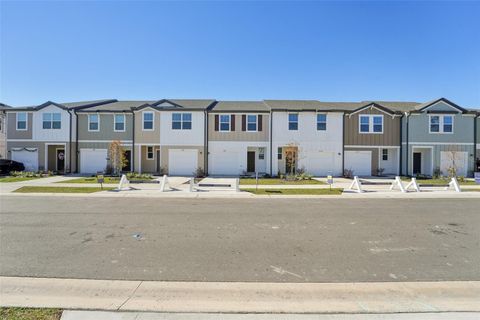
437 173
348 173
199 173
380 171
139 176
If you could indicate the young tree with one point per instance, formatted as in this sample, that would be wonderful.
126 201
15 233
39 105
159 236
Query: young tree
117 156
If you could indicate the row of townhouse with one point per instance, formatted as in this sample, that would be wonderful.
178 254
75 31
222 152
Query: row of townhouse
179 136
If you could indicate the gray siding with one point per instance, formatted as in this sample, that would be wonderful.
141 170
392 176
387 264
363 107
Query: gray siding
12 132
462 130
42 147
106 132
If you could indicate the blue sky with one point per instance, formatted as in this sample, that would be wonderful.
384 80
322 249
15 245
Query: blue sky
330 51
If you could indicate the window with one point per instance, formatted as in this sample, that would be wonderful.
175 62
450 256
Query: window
279 153
21 121
371 124
321 122
52 121
93 122
441 124
119 122
150 154
293 121
181 121
261 153
251 122
385 154
224 122
147 121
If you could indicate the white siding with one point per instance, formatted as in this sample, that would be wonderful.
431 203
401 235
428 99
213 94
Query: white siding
309 140
192 137
60 135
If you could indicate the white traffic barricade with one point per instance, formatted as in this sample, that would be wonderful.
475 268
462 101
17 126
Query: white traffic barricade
124 184
356 185
413 184
454 184
398 183
164 184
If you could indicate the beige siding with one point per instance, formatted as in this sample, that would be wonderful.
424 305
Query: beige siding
142 136
390 136
238 134
106 132
149 166
12 132
51 156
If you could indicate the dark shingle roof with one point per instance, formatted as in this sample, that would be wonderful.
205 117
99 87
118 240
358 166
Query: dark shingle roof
240 106
116 106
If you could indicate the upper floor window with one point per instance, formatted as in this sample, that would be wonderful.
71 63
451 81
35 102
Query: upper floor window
52 121
148 120
251 122
119 122
181 121
441 124
21 121
321 122
93 122
293 121
225 122
371 124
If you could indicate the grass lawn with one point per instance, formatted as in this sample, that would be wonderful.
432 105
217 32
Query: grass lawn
30 314
438 181
16 179
39 189
334 191
270 181
106 180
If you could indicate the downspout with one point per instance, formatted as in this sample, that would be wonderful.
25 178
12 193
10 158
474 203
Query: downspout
132 153
76 140
343 146
70 144
475 128
401 148
271 143
407 123
205 142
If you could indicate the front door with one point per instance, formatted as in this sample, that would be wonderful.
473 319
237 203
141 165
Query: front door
60 160
417 162
251 161
127 167
290 161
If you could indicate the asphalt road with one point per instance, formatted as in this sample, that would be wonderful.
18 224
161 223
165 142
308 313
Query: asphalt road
274 240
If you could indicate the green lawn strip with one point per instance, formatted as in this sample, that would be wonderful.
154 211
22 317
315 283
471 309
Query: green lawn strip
17 179
439 181
40 189
30 314
275 181
325 191
106 180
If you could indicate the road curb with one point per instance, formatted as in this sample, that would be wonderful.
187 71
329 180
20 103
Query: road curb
241 297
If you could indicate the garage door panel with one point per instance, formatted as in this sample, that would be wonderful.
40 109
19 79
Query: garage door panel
182 162
319 163
359 161
457 159
225 163
29 158
93 160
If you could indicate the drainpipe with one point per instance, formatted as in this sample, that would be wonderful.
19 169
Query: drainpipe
271 143
400 171
70 144
343 146
407 140
132 153
475 128
205 142
76 140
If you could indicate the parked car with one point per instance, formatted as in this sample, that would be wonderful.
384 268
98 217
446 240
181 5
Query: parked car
7 166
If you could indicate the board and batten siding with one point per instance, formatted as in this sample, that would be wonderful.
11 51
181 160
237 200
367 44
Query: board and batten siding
389 137
12 132
106 132
238 134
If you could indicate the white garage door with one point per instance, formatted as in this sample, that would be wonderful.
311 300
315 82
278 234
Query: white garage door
456 159
29 158
182 162
319 163
359 161
224 163
93 160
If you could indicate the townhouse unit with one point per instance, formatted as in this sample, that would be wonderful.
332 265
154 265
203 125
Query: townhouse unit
3 132
231 138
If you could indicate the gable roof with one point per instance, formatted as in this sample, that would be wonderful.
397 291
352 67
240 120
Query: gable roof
114 106
423 106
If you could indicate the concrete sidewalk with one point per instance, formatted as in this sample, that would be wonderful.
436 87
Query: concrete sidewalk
108 315
241 297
